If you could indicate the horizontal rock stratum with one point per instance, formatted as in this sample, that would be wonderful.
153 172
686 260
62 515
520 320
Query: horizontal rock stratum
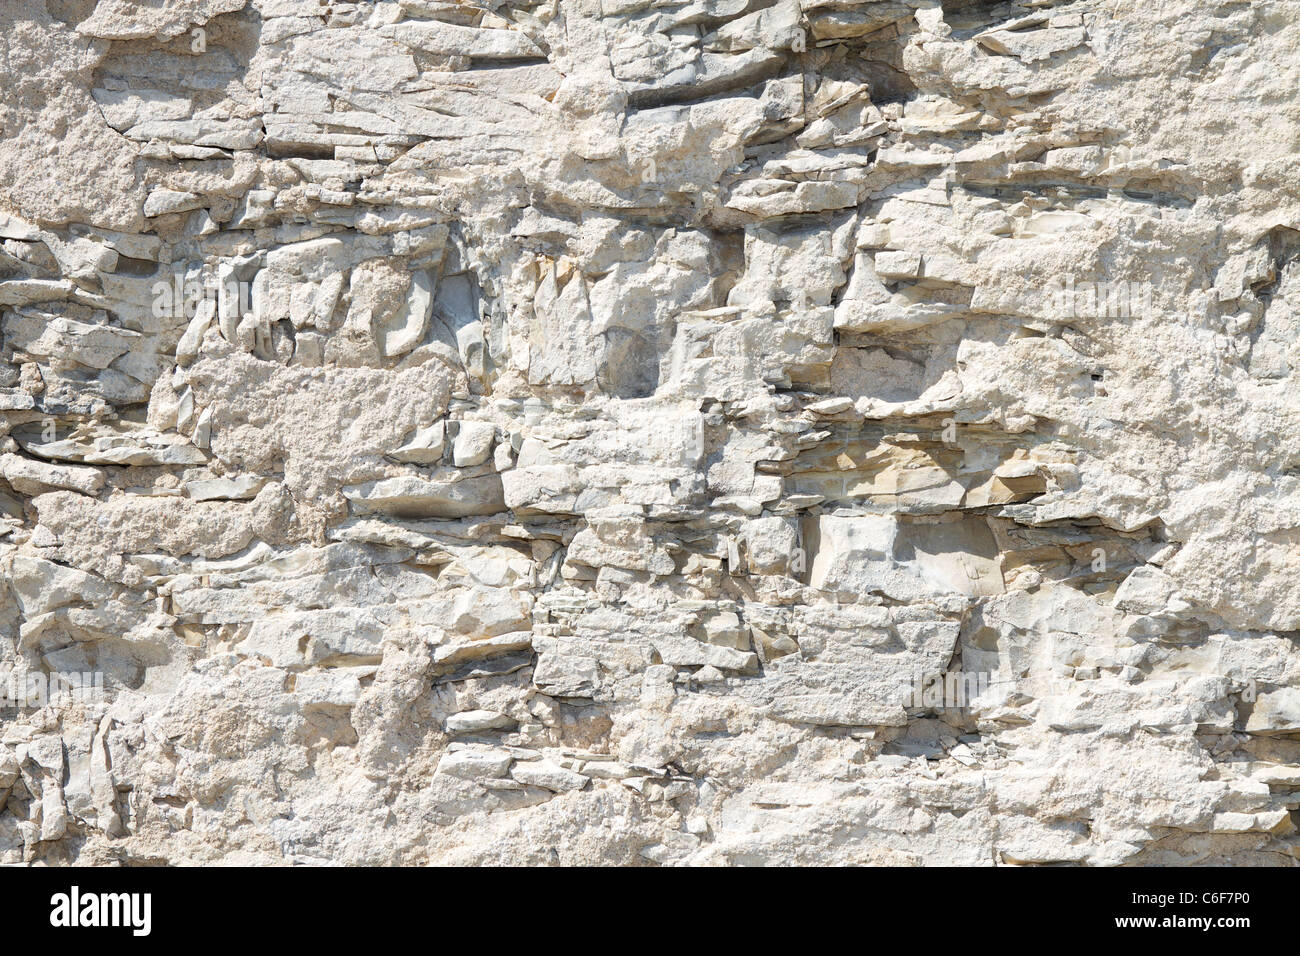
680 432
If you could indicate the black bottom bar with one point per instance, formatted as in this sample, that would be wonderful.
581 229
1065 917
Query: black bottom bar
333 907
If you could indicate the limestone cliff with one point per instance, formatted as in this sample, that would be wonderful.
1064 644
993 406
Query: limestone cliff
649 431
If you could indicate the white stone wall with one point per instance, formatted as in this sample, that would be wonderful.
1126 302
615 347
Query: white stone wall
649 431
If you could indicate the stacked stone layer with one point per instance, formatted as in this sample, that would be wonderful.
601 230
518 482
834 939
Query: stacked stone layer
631 431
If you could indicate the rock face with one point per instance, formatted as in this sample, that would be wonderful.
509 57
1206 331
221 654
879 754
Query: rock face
649 431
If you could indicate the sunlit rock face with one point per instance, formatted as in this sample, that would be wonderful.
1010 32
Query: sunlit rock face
648 432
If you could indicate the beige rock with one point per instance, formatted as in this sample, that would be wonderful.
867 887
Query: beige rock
791 433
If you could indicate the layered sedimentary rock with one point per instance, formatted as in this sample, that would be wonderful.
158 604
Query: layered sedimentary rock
642 431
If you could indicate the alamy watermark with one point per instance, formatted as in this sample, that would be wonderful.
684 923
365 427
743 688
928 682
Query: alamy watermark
1120 299
36 689
946 689
75 909
954 690
182 297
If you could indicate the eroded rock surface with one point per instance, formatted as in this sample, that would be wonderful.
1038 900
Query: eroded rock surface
650 431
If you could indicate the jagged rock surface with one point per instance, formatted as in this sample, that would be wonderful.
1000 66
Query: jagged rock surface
595 415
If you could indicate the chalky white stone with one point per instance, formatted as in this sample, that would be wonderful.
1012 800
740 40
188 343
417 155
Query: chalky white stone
650 432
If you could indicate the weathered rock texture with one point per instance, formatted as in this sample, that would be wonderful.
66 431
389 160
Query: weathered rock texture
567 430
